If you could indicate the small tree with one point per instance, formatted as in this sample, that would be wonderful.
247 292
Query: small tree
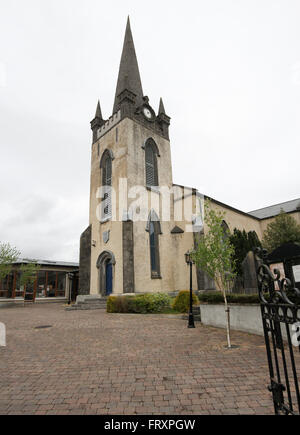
28 272
214 255
282 229
8 256
243 242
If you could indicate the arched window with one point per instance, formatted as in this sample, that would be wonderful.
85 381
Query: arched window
151 153
226 231
154 229
106 166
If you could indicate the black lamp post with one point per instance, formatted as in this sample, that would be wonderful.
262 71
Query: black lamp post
189 260
71 277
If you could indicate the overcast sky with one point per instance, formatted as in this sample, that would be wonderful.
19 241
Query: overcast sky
229 75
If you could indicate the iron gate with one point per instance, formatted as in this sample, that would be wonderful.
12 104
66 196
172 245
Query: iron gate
280 310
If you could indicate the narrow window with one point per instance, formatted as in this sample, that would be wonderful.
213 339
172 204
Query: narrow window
226 231
151 165
154 231
153 248
106 182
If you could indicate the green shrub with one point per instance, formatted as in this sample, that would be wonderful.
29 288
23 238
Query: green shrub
233 298
148 303
152 303
119 304
182 301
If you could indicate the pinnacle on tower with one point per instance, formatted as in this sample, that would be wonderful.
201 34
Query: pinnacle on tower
163 119
98 111
97 122
161 109
129 76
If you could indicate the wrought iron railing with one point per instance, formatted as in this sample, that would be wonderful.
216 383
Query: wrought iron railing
281 322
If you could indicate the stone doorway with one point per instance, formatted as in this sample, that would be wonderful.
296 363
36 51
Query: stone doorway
105 264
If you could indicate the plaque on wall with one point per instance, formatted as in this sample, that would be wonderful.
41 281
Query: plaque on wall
280 267
106 236
296 272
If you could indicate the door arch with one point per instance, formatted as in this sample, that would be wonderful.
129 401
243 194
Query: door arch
105 264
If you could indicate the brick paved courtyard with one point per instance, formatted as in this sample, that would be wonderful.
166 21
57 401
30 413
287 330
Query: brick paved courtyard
91 362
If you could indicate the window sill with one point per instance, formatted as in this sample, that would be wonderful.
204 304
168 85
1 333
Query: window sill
153 189
155 276
104 220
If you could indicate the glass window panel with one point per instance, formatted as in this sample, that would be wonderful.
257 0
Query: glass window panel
19 293
51 285
6 289
41 281
61 284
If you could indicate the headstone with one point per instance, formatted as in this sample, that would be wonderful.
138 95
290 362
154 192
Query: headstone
249 273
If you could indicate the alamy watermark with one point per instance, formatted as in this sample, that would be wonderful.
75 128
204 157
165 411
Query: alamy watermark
138 204
2 335
296 335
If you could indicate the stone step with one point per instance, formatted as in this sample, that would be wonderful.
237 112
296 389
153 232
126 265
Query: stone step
88 303
85 308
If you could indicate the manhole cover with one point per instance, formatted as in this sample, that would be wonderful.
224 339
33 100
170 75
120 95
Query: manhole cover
43 327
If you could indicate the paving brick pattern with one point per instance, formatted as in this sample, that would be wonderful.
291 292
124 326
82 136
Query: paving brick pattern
91 362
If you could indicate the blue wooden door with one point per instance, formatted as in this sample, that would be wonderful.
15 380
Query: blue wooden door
108 278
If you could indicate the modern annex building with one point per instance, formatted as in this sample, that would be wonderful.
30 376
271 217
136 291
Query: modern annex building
55 281
140 223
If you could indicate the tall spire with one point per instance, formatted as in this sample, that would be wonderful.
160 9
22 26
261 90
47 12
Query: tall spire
129 75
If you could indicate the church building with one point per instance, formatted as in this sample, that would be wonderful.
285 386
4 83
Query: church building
141 224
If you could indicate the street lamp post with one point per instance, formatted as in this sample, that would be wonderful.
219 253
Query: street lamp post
71 277
190 262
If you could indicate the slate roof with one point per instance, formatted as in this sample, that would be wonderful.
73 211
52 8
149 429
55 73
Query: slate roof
46 262
274 210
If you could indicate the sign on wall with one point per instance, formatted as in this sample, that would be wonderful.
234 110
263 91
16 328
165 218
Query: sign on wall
296 272
280 267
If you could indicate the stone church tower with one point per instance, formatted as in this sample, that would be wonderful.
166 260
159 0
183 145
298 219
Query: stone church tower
129 246
141 224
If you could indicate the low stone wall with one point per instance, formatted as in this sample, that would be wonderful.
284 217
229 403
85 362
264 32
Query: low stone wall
245 318
10 303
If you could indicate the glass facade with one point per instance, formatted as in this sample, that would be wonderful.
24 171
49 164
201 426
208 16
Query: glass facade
48 284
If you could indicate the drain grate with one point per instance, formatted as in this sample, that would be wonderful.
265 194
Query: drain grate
43 327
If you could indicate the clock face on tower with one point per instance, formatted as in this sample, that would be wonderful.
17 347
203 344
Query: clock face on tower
147 113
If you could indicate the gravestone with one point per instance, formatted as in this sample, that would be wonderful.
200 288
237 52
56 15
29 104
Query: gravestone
249 273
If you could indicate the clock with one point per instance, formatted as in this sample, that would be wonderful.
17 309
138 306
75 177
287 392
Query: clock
147 112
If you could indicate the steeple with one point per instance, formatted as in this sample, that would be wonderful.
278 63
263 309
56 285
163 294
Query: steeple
129 76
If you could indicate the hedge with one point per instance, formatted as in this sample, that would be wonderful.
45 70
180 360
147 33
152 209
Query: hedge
182 301
141 304
233 298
